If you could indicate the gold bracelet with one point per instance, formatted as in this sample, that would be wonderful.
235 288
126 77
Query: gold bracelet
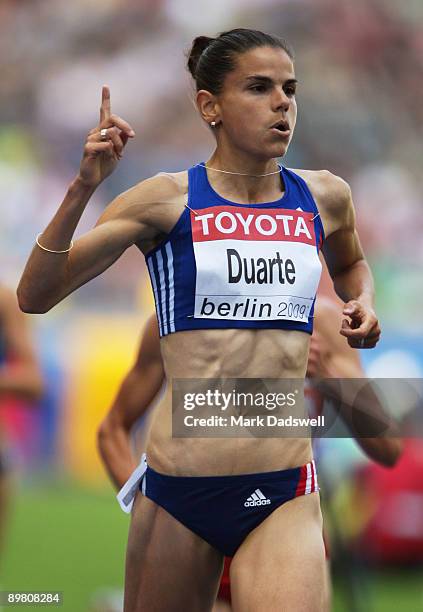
51 250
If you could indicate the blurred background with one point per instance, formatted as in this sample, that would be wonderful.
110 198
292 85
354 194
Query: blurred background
360 69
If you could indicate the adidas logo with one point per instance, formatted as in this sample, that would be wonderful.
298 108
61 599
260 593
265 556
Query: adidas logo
257 499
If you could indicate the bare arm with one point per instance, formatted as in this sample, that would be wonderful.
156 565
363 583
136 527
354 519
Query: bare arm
21 375
352 278
331 357
48 277
137 392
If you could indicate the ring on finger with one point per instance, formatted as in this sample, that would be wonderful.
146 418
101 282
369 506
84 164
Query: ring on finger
103 134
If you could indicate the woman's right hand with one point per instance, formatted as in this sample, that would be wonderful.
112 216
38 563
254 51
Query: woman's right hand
102 153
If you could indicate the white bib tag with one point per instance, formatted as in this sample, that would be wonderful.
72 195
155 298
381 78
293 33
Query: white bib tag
127 493
254 264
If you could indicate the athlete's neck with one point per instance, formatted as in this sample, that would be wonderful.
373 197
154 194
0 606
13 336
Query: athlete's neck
246 187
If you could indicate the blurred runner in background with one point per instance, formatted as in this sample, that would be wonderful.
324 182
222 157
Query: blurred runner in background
20 378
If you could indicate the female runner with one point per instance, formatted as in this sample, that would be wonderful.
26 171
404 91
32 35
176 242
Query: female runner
232 251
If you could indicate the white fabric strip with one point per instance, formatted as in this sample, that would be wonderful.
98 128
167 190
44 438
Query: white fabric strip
171 288
308 481
156 295
162 290
316 485
127 493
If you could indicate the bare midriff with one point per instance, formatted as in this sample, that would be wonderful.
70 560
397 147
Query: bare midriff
227 353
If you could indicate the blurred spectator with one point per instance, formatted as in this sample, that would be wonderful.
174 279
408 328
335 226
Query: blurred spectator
20 378
393 531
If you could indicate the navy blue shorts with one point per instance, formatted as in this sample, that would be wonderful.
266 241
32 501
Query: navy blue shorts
224 509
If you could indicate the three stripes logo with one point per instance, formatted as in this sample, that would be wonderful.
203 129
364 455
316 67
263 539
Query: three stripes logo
257 499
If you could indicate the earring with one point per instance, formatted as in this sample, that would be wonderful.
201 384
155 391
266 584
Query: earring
213 123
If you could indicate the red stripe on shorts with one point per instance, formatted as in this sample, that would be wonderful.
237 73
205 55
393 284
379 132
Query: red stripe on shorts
225 584
302 481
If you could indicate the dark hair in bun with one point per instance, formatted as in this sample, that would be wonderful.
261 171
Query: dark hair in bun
198 46
211 59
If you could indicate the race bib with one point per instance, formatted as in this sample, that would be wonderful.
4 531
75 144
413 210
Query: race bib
254 264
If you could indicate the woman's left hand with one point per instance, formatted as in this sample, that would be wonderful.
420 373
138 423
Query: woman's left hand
363 330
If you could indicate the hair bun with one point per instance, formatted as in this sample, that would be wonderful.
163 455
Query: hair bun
198 46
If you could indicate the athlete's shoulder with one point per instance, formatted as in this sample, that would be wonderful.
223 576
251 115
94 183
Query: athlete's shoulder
330 189
162 187
332 196
178 179
169 183
153 201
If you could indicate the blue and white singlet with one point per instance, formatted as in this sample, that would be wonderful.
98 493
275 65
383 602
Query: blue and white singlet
227 265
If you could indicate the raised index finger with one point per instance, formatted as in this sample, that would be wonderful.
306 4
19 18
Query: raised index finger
105 103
